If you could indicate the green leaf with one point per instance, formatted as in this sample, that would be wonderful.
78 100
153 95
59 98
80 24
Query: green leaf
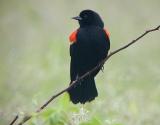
64 101
47 113
57 119
93 121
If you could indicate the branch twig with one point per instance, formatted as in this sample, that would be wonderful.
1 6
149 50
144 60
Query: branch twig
86 74
14 120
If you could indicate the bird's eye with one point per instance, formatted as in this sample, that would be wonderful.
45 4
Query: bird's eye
85 16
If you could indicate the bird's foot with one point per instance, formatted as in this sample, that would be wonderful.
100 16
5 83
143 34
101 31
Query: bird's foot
102 68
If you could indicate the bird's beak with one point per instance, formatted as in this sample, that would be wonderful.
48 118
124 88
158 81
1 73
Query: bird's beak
77 18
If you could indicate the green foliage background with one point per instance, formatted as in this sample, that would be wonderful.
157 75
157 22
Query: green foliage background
34 62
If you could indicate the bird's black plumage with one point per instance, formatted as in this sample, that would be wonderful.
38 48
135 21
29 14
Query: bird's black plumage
91 46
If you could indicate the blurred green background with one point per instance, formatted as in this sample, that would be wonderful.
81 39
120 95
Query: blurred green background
34 62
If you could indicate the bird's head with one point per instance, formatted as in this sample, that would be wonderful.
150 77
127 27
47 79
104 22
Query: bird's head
89 18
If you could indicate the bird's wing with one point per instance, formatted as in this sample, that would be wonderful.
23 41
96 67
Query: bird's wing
73 69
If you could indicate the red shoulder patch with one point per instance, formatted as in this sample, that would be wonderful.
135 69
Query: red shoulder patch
73 37
107 32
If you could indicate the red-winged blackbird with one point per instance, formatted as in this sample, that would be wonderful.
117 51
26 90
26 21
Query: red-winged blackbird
90 45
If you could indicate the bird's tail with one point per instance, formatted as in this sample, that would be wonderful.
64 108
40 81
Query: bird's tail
84 91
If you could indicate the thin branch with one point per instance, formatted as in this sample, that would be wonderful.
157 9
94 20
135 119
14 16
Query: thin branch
14 120
132 42
88 73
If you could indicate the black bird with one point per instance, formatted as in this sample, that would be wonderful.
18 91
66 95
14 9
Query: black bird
89 46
